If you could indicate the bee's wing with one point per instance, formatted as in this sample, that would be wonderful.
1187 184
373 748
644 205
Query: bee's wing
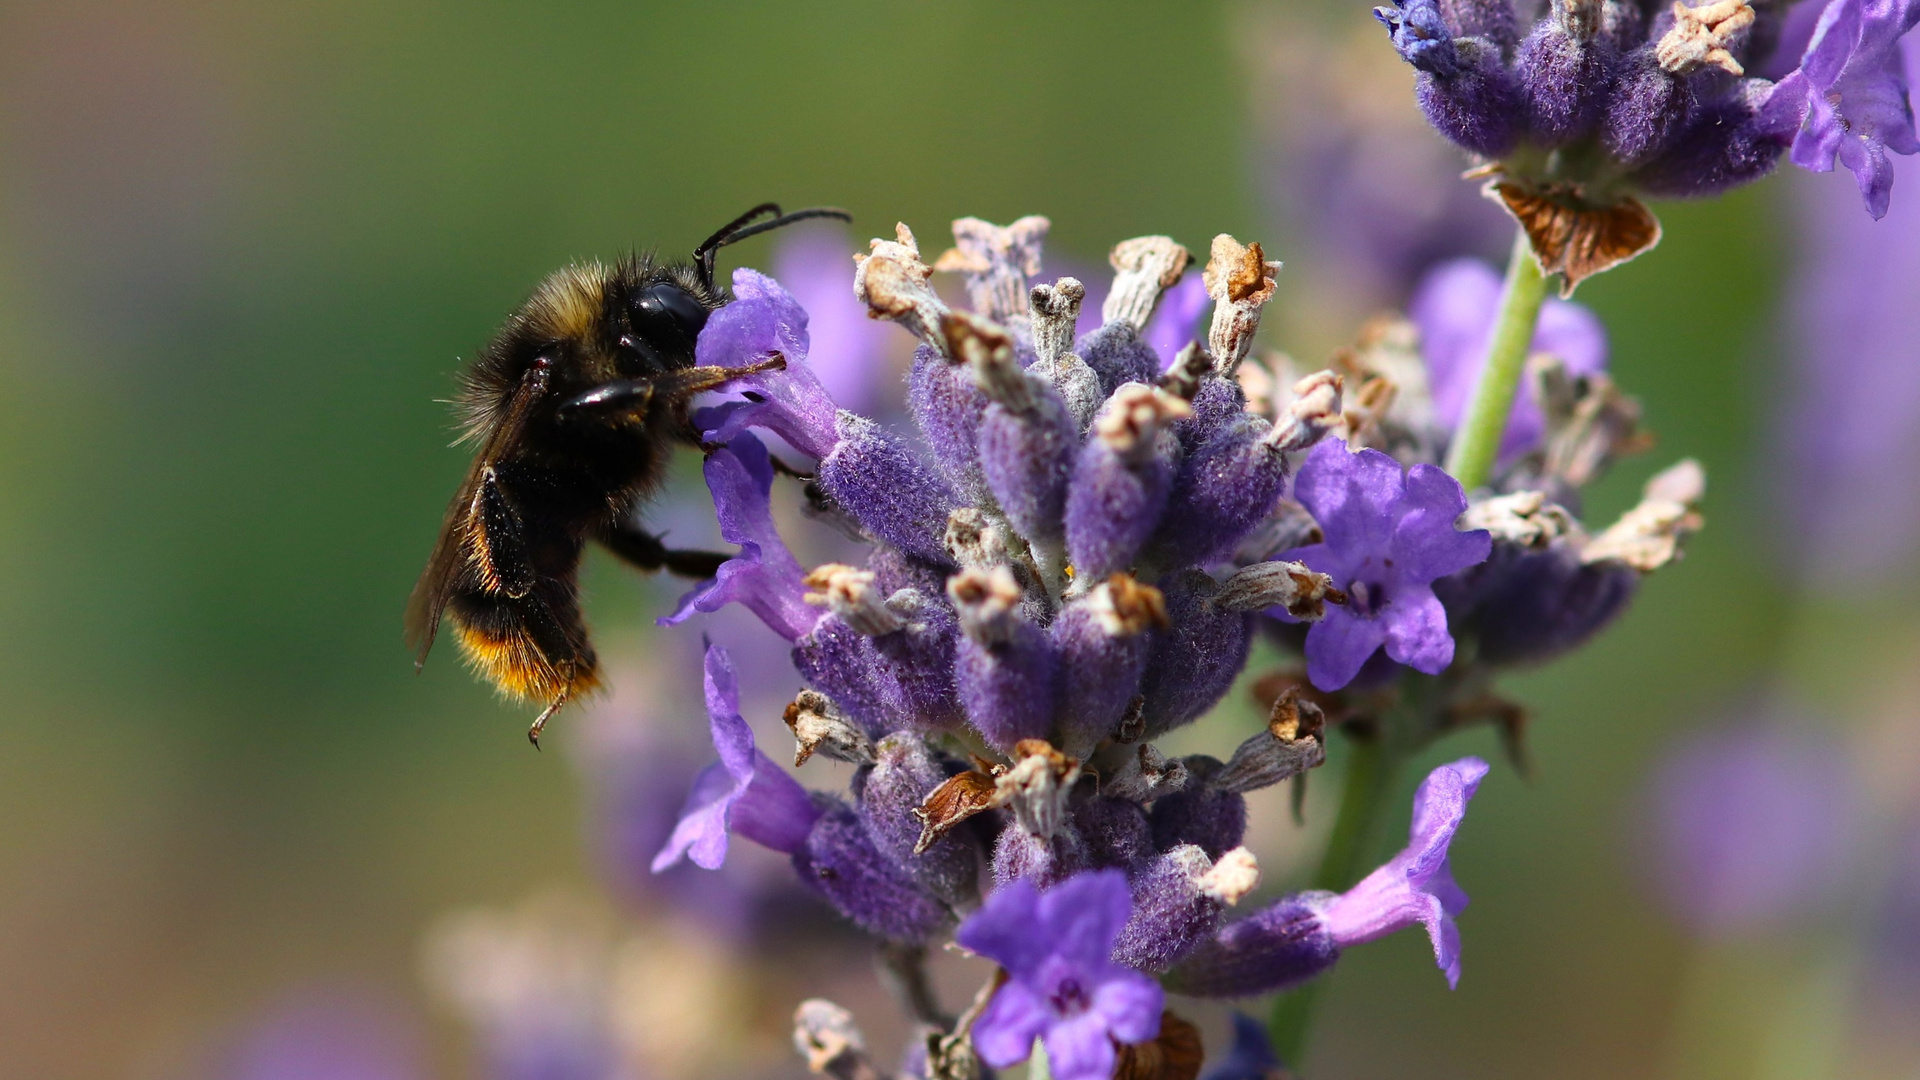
435 587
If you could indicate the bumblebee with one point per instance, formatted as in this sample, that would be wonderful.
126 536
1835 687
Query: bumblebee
575 406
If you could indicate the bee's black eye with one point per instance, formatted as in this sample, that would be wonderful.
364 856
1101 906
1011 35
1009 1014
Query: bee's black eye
668 313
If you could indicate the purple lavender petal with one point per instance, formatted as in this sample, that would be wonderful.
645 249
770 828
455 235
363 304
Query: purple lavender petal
744 792
1004 929
1454 308
847 348
1083 915
1062 983
764 577
1339 645
1352 496
1004 1033
1389 536
1417 634
791 402
1416 885
1856 74
1079 1049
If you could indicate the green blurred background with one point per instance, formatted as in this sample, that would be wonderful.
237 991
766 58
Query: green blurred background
242 248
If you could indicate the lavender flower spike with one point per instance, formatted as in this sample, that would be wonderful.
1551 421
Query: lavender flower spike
1063 986
743 792
1854 82
1416 885
1389 535
765 578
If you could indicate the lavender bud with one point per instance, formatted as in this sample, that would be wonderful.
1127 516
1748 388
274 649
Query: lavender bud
1120 483
1701 37
1290 585
976 541
1035 788
1478 103
819 727
1101 644
903 679
905 770
1005 665
1291 744
1114 831
1648 536
1314 411
1726 144
1649 109
1490 19
1191 369
841 863
1193 662
1117 354
1027 439
947 404
1209 817
878 480
997 260
893 283
1146 775
1284 945
1227 486
1045 861
850 594
1567 73
1240 280
1177 903
1143 268
1055 308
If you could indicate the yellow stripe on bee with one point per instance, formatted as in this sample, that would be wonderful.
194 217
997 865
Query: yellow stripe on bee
516 667
568 303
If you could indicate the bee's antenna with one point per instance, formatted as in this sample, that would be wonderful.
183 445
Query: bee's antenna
742 227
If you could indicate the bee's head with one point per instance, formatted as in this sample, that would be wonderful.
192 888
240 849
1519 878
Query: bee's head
657 322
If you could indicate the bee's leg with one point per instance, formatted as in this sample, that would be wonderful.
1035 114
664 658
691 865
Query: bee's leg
644 550
540 722
610 400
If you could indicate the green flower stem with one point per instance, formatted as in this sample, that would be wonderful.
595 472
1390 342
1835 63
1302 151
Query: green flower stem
1372 766
1476 443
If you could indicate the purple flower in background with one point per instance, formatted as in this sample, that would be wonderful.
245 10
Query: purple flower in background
1302 935
1062 985
1752 825
764 577
326 1033
1416 886
847 348
1854 82
1454 308
1389 534
743 792
1852 409
1173 322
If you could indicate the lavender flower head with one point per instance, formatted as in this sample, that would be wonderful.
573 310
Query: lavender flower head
1062 986
1071 562
1389 535
1597 104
